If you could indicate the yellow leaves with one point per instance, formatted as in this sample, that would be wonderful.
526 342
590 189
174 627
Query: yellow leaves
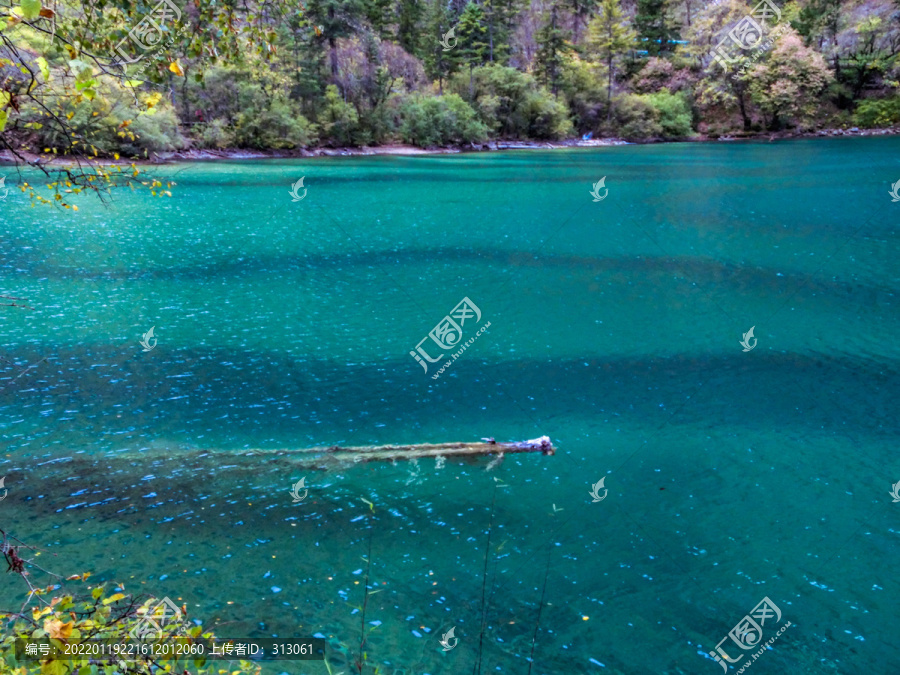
175 67
57 629
44 66
153 99
113 598
38 612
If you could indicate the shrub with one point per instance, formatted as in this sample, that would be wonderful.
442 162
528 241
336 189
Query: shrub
674 113
584 87
277 126
660 74
339 119
111 121
430 122
156 129
637 118
215 134
660 115
878 113
512 104
247 108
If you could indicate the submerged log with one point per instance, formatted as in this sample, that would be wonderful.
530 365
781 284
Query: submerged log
375 453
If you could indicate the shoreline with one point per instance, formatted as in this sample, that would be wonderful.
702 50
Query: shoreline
398 149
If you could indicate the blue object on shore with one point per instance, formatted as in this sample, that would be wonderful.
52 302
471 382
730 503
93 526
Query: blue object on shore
588 136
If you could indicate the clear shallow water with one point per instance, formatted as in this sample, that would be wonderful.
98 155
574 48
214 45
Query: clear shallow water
614 330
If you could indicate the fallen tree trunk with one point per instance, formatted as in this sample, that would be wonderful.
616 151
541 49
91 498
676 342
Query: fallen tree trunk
374 453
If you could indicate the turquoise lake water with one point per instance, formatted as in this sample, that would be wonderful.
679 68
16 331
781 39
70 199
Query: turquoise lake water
615 330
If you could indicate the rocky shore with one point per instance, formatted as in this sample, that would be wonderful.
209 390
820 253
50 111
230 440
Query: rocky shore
232 154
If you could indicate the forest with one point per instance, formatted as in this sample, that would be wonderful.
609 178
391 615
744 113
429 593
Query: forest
112 78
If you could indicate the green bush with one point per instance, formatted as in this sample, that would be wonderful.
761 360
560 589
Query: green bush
637 118
277 126
112 121
584 88
215 134
878 113
447 120
512 104
674 113
659 115
247 108
156 129
339 119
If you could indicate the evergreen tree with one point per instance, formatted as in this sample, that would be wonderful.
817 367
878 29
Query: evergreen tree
654 26
553 45
409 26
499 16
609 37
380 14
438 62
334 19
473 47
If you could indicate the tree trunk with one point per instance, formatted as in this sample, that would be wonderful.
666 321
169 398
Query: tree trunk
740 98
609 87
332 48
491 36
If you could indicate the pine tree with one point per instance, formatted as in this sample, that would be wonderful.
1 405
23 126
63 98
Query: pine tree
380 14
499 16
409 26
608 38
473 47
553 45
438 63
335 19
654 26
